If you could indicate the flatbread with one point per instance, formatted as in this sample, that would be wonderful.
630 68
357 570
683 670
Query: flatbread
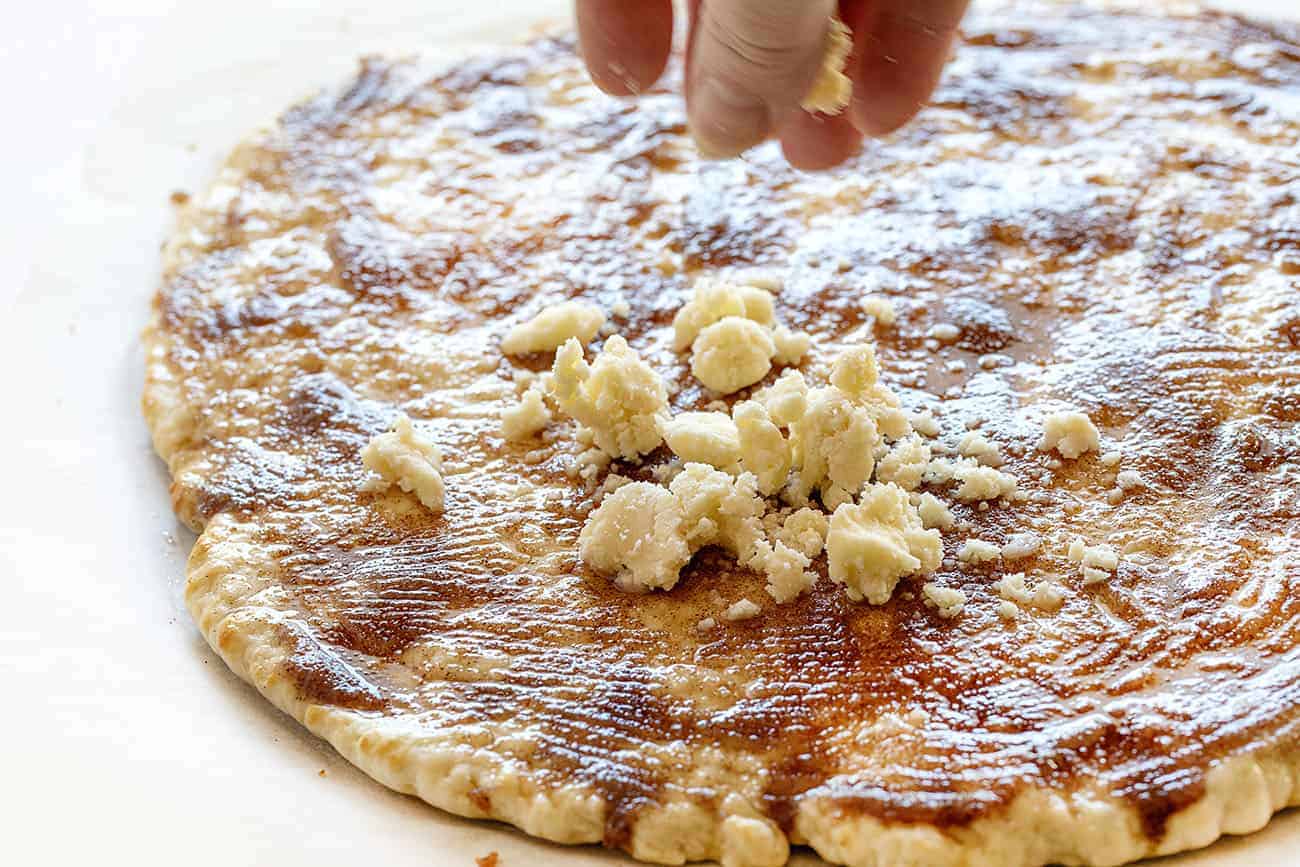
1104 207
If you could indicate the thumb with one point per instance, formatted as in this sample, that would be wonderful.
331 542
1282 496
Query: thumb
751 62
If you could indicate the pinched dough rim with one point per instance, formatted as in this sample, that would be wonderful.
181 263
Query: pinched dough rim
230 582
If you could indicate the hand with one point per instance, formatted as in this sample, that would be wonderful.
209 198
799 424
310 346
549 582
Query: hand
751 62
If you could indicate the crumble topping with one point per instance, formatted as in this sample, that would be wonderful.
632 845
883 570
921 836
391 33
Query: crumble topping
406 458
703 437
619 397
550 329
637 535
1070 433
526 418
831 90
875 543
732 353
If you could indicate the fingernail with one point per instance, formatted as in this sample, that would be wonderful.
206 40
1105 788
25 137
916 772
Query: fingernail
726 120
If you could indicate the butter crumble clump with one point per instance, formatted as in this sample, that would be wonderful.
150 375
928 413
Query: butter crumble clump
404 457
763 450
732 353
741 609
790 346
975 445
872 545
982 483
881 309
1021 545
786 570
720 509
934 514
948 601
714 301
805 531
905 463
831 90
1015 590
978 551
1070 433
527 417
833 443
1096 562
638 535
703 437
550 329
786 399
619 397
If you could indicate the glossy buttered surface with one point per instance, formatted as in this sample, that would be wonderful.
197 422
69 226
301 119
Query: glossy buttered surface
1105 207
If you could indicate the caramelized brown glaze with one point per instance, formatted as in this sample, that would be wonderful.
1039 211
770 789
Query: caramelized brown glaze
1106 205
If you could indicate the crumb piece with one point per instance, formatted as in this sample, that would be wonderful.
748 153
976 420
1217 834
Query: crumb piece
762 449
1096 562
834 496
769 281
934 514
638 535
925 423
589 463
1110 459
983 483
975 445
1021 545
1007 609
706 624
948 601
621 308
619 397
611 483
872 545
791 346
805 531
703 437
666 472
786 570
741 609
527 417
905 463
944 332
831 90
882 309
719 509
1070 433
732 353
1126 480
410 460
835 440
491 859
714 301
550 329
978 551
786 399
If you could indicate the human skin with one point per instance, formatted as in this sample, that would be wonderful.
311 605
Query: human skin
750 62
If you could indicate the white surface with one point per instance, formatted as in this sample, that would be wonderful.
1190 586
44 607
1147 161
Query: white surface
124 738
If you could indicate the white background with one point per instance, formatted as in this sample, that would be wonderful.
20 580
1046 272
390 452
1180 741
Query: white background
123 739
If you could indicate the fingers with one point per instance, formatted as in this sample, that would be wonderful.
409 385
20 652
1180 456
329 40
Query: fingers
751 62
900 50
815 142
625 43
